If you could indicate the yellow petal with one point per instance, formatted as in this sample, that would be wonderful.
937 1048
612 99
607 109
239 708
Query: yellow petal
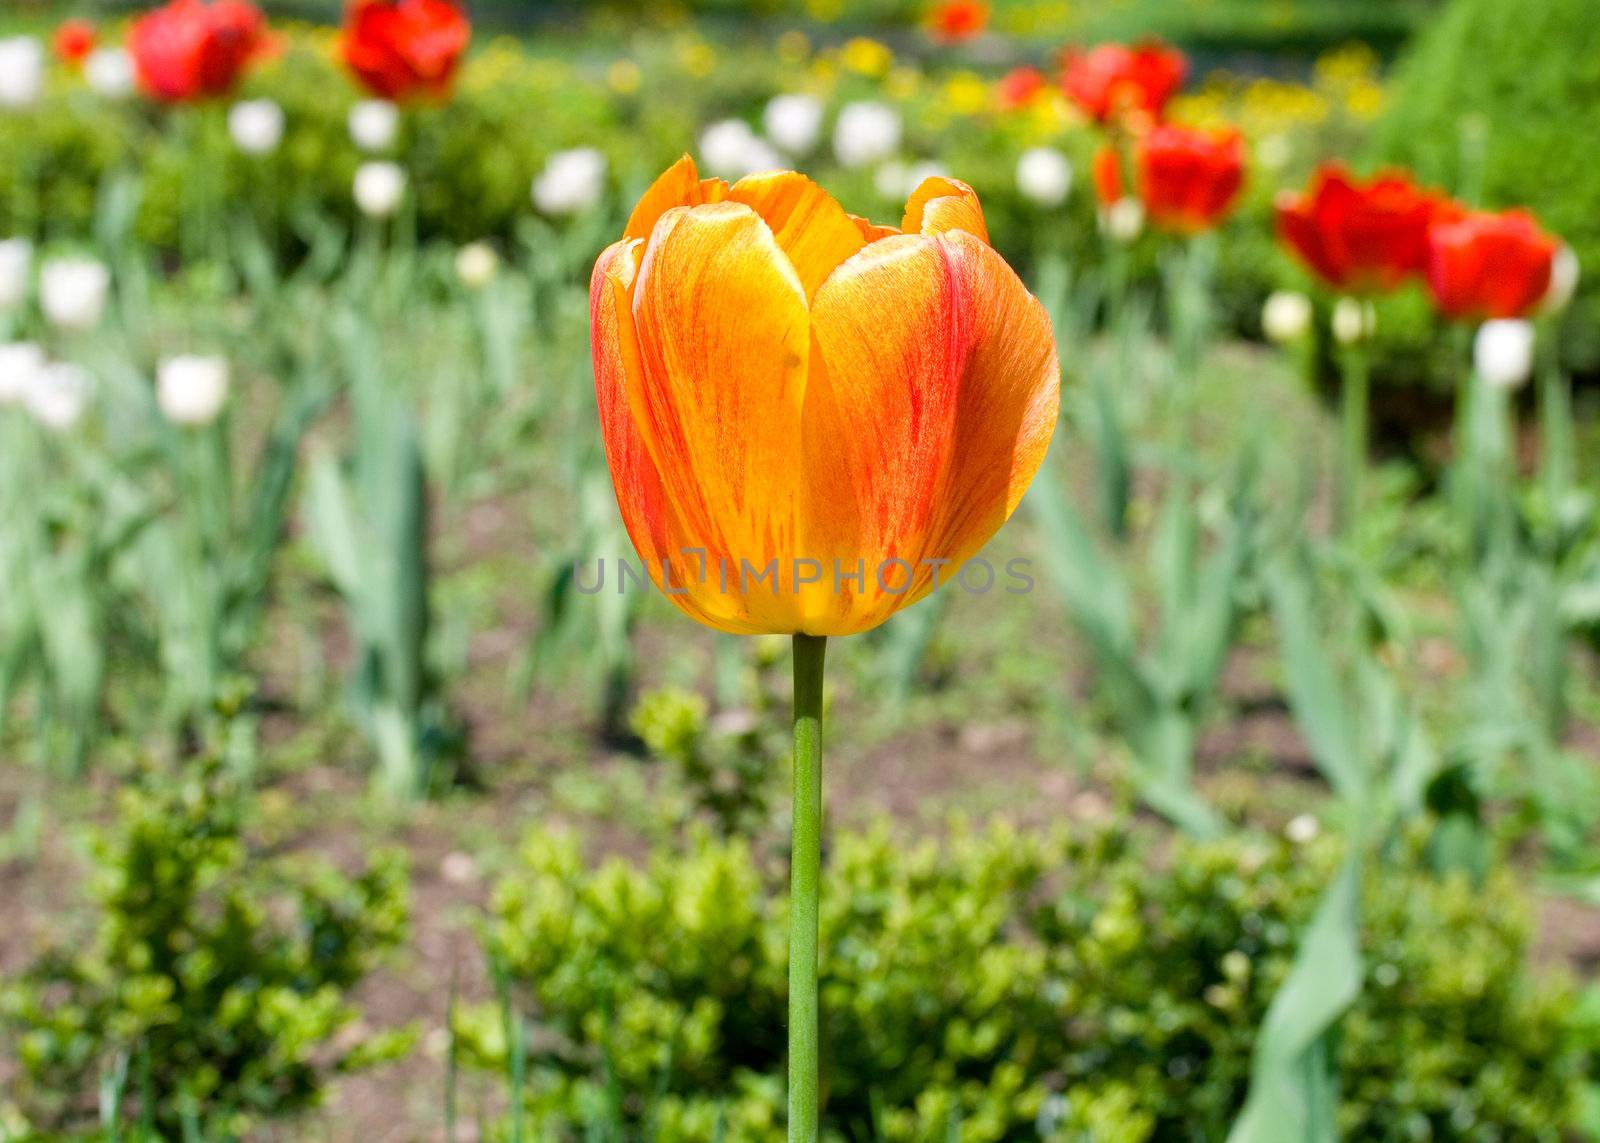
679 185
932 396
723 335
811 228
940 204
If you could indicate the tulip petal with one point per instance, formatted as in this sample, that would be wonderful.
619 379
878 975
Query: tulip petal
640 497
723 336
633 473
931 400
871 230
811 228
679 185
940 204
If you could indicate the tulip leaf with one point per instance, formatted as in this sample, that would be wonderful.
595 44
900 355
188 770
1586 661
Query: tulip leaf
1292 1089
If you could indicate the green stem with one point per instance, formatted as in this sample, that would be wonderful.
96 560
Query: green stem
1555 422
1354 401
805 875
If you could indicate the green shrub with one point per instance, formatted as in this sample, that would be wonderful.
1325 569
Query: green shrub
215 981
1002 986
1497 101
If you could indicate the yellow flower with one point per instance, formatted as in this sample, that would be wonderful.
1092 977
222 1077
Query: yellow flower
789 391
966 93
866 57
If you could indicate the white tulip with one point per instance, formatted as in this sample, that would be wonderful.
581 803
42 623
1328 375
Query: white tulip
731 150
256 126
476 265
21 71
1564 275
794 122
1286 318
1124 220
192 390
16 267
1502 353
571 182
379 188
109 73
19 362
1353 321
72 292
58 394
373 124
1044 176
866 133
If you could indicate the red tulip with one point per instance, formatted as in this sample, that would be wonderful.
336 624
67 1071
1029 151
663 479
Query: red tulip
1483 265
189 49
1114 80
1359 237
1019 87
74 40
1188 177
404 48
957 20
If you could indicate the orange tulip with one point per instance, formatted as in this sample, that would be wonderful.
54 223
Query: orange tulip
810 419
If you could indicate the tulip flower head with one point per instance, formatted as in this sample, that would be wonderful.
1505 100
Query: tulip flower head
1502 353
20 362
58 395
1044 176
1019 87
1113 82
373 124
402 49
1483 265
379 188
16 270
806 414
1286 316
1354 321
793 122
74 41
1189 178
571 182
110 73
730 149
72 293
953 21
191 390
1359 237
256 126
866 133
21 71
189 49
476 265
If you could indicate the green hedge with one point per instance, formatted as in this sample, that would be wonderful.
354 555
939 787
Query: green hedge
210 996
1093 985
